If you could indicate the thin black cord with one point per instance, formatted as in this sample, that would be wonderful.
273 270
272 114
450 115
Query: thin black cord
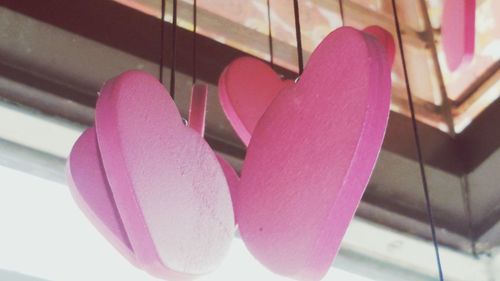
298 35
269 32
162 40
418 145
195 18
174 48
341 6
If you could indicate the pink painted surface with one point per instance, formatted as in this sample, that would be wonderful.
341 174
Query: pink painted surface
169 189
198 108
458 31
197 114
385 38
246 88
311 156
233 180
90 189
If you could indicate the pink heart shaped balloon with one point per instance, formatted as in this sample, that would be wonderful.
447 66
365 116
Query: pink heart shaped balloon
246 88
458 31
311 156
177 217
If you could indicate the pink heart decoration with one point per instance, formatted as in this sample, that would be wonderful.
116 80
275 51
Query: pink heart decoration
169 199
246 88
311 156
233 180
170 190
458 31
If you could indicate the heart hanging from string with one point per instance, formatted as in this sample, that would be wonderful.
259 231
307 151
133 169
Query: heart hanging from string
151 185
311 155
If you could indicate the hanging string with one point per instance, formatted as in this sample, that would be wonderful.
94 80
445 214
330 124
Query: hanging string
418 145
162 41
269 32
174 49
195 18
341 8
298 35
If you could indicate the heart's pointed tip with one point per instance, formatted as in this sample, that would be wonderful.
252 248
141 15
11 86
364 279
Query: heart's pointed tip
385 38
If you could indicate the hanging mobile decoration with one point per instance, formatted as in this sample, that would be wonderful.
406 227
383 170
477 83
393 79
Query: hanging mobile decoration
312 149
458 31
151 185
311 155
162 197
168 187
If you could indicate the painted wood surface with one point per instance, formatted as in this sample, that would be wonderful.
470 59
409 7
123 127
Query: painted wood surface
458 31
311 156
198 108
169 189
246 88
197 115
233 180
90 189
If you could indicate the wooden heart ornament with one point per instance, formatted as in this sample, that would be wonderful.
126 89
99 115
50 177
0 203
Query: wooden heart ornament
311 156
160 195
458 31
246 88
248 85
90 189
